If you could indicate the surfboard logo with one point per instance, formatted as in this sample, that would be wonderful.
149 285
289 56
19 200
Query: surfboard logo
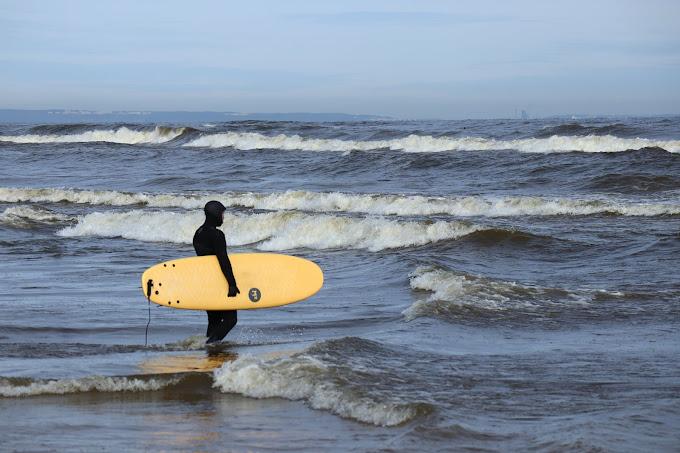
254 294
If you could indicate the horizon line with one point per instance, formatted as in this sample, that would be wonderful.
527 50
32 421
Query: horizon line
362 116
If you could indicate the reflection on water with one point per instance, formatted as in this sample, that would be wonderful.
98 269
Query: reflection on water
200 362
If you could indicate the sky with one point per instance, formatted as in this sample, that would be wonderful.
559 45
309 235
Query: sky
405 59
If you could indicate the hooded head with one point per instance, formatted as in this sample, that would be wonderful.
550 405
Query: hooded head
213 213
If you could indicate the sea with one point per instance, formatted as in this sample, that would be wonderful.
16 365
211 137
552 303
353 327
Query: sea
490 285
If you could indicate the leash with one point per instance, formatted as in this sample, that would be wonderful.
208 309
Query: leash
149 285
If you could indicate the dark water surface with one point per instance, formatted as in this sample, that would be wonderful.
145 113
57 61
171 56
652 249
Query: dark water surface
489 285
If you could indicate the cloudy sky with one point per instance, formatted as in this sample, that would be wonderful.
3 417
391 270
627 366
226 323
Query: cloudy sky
408 59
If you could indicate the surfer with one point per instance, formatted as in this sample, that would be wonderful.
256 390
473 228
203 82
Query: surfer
208 240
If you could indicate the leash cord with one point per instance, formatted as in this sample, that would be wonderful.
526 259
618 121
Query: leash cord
149 285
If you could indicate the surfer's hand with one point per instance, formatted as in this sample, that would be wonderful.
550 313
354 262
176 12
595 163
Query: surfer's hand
233 291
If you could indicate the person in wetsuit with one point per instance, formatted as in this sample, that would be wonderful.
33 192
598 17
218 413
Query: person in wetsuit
208 240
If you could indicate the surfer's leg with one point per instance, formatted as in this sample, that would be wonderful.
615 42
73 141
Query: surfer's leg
227 322
214 318
230 320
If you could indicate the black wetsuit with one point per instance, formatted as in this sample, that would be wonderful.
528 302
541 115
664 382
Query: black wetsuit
208 240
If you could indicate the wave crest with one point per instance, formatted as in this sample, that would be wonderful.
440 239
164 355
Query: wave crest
22 387
273 230
103 197
27 216
318 377
452 291
379 204
426 143
122 135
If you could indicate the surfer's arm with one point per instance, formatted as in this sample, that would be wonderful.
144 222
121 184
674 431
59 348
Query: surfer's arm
223 258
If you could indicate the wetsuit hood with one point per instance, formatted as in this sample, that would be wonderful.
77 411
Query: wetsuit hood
213 213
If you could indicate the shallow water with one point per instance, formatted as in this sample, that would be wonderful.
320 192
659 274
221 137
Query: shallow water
492 285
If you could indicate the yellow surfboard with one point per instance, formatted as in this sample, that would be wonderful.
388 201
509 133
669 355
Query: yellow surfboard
264 279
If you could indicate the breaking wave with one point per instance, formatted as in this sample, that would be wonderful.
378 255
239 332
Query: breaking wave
273 230
427 143
380 204
122 135
452 291
101 197
27 216
332 376
22 387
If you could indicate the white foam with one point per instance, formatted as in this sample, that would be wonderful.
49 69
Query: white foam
23 215
303 377
404 205
380 204
88 384
451 290
192 343
101 197
121 135
426 143
272 230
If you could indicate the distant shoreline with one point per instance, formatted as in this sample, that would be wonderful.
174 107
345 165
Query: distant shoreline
66 116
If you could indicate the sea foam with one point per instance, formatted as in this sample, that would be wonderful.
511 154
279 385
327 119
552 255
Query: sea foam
412 143
452 291
426 143
321 384
25 387
22 216
122 135
273 230
379 204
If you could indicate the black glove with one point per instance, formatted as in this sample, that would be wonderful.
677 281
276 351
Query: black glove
233 291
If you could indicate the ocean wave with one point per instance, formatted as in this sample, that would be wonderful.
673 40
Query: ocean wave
273 230
497 235
105 197
28 216
122 135
580 129
192 343
326 379
452 291
22 387
426 143
67 128
61 350
379 204
634 183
